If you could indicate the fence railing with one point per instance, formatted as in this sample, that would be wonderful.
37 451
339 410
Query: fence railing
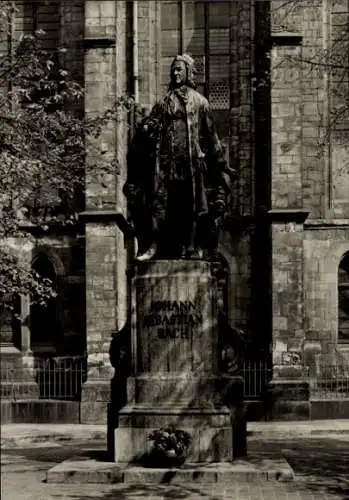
61 377
331 382
56 378
256 375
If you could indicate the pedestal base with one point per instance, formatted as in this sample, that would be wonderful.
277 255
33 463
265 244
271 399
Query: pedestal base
175 379
82 470
211 431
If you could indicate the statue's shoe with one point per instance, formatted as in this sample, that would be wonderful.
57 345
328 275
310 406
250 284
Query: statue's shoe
149 254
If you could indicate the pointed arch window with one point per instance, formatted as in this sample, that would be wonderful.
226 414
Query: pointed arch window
343 300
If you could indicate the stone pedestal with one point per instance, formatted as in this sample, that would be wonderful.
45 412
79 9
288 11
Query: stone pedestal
174 379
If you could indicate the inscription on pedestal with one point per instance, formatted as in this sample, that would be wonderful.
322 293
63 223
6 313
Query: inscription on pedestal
173 319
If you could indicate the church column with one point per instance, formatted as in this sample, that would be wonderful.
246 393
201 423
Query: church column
289 388
25 335
106 292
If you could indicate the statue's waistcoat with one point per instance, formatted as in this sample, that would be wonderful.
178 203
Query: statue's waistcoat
196 112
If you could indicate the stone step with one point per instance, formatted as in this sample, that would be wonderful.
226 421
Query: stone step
84 470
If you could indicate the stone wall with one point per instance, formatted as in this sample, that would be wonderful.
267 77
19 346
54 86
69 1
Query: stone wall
339 85
239 253
324 247
322 26
309 212
241 100
286 196
148 14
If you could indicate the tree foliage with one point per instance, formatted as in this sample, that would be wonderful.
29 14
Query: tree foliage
43 137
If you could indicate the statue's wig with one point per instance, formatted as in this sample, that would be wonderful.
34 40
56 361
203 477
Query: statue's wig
190 67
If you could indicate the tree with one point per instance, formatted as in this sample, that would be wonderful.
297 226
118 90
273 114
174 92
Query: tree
43 136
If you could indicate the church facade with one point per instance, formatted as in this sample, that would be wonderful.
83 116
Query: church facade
266 69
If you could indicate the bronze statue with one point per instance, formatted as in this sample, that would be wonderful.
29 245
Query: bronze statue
178 180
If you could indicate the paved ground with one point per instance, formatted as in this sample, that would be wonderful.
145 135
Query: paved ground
20 434
319 454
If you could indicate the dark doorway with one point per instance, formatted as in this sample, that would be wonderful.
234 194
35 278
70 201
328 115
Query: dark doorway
43 318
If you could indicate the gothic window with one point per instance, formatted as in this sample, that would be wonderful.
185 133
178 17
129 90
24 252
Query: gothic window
201 29
343 300
43 319
42 15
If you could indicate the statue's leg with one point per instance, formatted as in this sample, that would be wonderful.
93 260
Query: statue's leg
192 236
177 220
155 228
187 232
194 247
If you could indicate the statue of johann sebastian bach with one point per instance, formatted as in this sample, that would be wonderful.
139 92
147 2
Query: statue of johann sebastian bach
178 180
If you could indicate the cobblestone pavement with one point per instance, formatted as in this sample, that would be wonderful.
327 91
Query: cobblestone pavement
321 464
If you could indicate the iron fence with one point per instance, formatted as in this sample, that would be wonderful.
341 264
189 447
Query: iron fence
56 378
61 377
256 375
330 382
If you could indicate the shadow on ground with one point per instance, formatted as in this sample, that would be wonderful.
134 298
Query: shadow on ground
321 464
201 492
53 455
